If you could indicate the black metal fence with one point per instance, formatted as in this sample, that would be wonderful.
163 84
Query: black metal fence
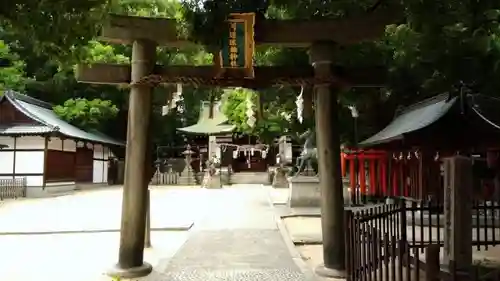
12 188
391 241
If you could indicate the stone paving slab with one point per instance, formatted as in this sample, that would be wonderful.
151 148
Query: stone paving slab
99 211
239 240
76 257
234 255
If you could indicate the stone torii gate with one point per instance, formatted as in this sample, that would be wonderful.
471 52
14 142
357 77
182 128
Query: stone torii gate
322 37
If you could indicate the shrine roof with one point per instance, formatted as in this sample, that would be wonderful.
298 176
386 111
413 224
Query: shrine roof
210 126
46 121
412 118
207 128
486 108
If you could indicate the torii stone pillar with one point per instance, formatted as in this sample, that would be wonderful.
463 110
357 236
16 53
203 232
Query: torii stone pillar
134 204
328 147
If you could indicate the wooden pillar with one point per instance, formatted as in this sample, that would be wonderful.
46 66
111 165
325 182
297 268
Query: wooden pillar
14 160
362 176
458 213
342 164
45 157
328 146
134 205
148 164
147 234
372 175
383 174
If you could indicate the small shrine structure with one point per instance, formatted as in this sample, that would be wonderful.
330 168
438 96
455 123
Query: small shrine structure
221 140
213 124
405 158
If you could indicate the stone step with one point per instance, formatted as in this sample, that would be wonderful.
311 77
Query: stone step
250 177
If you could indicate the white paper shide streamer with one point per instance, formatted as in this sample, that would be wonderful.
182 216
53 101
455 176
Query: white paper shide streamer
250 113
176 97
299 102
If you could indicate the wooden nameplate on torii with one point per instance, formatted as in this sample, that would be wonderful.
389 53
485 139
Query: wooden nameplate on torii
235 57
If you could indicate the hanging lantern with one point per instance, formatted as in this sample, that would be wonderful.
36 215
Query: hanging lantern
264 154
252 151
299 102
235 154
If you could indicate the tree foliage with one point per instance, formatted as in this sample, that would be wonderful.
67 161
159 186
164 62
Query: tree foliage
12 75
439 46
56 26
86 114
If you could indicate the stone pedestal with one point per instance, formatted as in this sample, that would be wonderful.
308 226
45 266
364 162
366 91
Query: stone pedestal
271 170
304 191
187 176
225 175
211 181
279 178
214 181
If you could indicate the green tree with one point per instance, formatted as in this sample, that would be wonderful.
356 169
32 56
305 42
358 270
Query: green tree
86 114
12 75
56 26
436 48
272 119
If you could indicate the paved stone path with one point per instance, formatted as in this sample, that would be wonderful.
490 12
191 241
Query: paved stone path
97 211
237 240
63 256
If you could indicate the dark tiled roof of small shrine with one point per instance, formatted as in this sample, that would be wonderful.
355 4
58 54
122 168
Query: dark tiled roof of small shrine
413 118
486 108
48 122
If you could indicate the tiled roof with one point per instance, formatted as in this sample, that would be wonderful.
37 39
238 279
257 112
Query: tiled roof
49 122
210 126
413 118
24 130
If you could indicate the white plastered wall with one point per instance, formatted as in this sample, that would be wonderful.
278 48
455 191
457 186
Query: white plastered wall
28 159
100 165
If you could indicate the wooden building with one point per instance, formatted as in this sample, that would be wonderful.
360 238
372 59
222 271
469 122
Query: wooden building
404 158
50 154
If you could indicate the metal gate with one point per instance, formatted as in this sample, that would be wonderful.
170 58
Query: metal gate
376 242
389 241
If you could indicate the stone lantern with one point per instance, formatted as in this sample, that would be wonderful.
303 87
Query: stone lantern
187 176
